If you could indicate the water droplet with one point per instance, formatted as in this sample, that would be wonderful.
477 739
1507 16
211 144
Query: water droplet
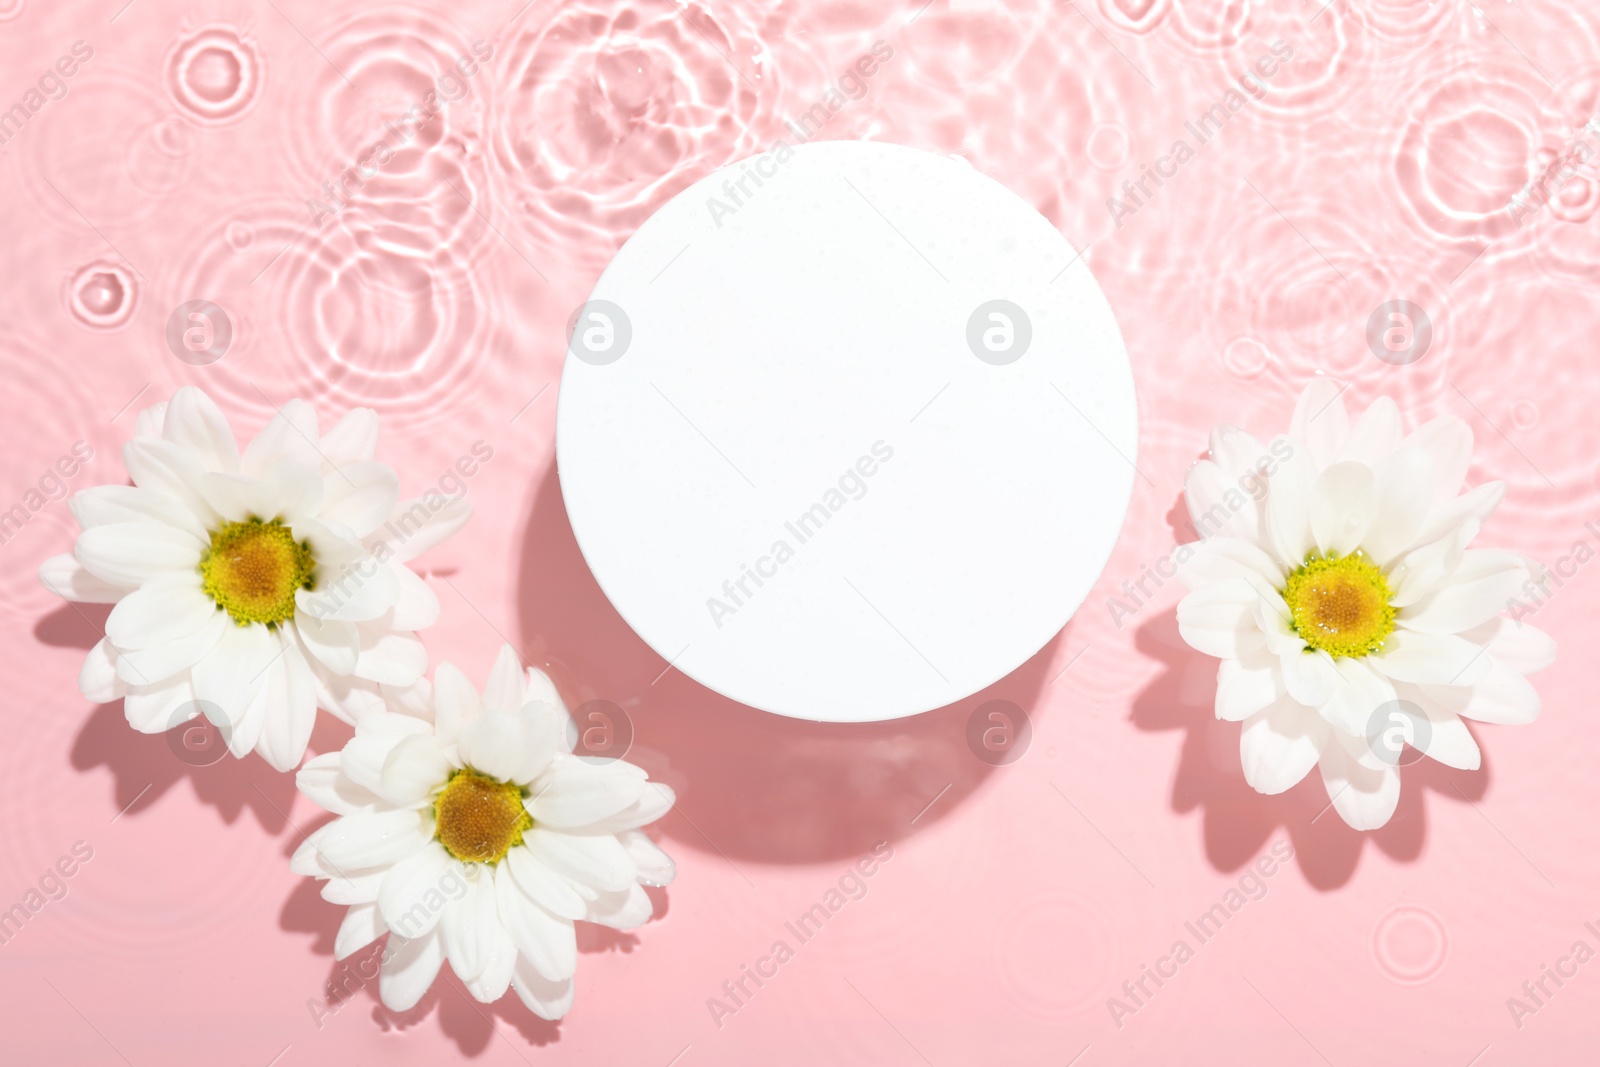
215 74
1246 357
102 295
1410 945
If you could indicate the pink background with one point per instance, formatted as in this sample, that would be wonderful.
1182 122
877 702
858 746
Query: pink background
1381 163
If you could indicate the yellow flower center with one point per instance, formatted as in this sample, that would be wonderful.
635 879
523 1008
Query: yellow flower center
479 819
253 569
1340 604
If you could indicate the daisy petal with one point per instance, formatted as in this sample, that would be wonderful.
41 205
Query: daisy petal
194 423
1320 420
492 984
1448 442
164 468
1424 570
1375 435
416 607
362 926
1226 557
146 666
627 909
1364 797
1280 744
100 504
545 998
1357 696
1518 645
470 924
544 887
359 496
390 657
1476 591
353 440
655 866
64 576
292 709
1247 684
169 607
1218 507
654 802
1503 697
1288 511
290 437
1404 487
325 784
548 943
1431 659
409 968
332 643
97 678
373 839
595 860
1449 741
1309 676
1342 507
1217 619
455 701
510 747
503 692
235 670
155 709
1445 518
412 896
132 553
414 768
423 525
573 792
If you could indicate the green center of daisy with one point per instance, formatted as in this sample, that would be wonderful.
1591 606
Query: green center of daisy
253 568
479 819
1340 604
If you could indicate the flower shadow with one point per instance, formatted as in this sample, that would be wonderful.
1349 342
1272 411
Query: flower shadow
145 766
750 785
1238 821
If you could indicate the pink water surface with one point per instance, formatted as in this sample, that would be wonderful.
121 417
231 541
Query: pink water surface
1383 160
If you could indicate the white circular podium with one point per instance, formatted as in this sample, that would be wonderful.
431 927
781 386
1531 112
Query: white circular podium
846 431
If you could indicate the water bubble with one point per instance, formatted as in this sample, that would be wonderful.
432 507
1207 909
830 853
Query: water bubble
1108 146
1246 357
215 75
1410 945
102 295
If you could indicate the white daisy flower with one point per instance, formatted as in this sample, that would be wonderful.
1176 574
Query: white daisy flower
468 831
252 587
1334 581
